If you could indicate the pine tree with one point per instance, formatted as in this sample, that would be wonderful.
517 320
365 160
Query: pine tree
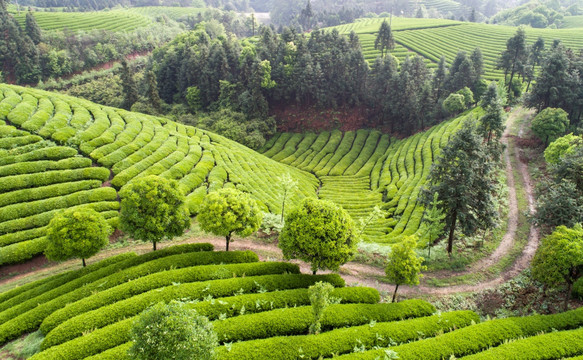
130 90
385 39
32 29
439 78
514 59
152 92
463 178
492 123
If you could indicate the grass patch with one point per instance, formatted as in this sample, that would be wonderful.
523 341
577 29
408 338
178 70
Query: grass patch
22 348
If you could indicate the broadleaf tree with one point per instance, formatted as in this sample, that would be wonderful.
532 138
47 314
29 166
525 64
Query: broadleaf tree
463 177
550 124
318 232
559 259
227 211
76 233
172 332
153 208
404 266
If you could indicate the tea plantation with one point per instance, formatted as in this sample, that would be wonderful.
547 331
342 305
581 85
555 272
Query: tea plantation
114 20
261 310
425 37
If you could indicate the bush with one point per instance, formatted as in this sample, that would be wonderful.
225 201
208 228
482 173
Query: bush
172 331
577 292
297 321
341 341
43 192
549 124
480 337
555 345
116 334
154 274
16 182
28 315
67 323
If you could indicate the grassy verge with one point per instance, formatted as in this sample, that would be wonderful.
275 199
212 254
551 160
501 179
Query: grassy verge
22 348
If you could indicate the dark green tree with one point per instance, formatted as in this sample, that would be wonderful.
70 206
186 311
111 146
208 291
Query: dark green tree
130 89
306 16
550 124
384 40
76 233
492 123
514 59
32 29
535 57
558 203
320 233
463 177
439 78
152 208
153 96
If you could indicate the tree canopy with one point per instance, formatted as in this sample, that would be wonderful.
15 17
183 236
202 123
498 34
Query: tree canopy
550 124
404 266
385 39
318 232
559 258
152 208
227 211
76 233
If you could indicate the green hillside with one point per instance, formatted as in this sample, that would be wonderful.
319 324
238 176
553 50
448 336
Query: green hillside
260 310
57 151
172 12
114 20
432 38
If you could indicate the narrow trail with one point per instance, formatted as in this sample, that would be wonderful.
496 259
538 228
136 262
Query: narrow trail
365 275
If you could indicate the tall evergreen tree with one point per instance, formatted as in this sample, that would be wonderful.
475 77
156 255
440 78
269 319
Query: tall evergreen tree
439 77
153 96
130 90
535 56
514 59
463 179
492 123
32 29
385 39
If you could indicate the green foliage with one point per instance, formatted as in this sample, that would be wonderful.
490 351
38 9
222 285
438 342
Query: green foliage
559 259
318 232
152 208
550 124
561 147
319 294
454 103
468 96
558 203
385 39
76 233
193 98
172 331
227 211
433 223
286 184
403 264
492 123
346 340
577 291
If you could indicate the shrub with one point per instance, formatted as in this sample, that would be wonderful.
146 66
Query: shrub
577 292
172 331
480 337
341 341
549 124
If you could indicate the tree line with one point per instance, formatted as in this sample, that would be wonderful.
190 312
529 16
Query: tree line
325 70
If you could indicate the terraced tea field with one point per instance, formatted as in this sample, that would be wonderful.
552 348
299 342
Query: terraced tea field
113 20
41 169
432 38
172 12
261 310
362 169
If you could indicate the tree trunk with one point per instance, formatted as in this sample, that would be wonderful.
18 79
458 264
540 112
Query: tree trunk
154 245
451 231
228 238
395 293
567 295
83 262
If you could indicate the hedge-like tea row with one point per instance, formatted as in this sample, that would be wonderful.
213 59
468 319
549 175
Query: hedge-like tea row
43 192
59 330
552 346
28 291
480 337
44 165
24 181
342 341
28 315
48 153
297 321
116 334
247 303
144 277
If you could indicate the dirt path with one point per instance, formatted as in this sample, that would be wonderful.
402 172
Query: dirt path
365 275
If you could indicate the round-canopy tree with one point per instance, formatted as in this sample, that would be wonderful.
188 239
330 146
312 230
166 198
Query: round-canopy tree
549 124
227 211
152 208
172 331
76 233
318 232
559 259
404 265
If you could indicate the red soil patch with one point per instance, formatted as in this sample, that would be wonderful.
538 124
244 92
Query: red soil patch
31 265
293 118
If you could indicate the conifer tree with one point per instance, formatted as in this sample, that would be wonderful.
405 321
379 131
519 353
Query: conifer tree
492 123
385 39
130 90
153 96
32 29
463 178
514 59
